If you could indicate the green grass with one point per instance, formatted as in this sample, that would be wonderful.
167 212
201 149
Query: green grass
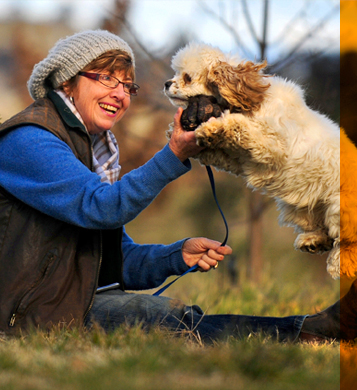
293 283
132 359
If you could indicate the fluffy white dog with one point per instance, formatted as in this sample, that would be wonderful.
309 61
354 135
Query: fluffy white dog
268 135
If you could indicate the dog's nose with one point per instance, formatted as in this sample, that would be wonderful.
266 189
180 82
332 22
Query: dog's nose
168 84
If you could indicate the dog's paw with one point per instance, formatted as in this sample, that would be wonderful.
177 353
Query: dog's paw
170 131
334 272
208 134
313 243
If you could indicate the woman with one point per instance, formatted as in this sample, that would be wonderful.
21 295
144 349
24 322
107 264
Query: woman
63 209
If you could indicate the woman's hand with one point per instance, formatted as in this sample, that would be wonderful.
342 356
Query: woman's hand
204 252
183 143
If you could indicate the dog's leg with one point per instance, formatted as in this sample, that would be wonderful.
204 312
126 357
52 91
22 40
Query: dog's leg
332 217
313 237
235 133
220 160
333 261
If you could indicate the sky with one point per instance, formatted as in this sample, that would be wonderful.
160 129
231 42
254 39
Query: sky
158 22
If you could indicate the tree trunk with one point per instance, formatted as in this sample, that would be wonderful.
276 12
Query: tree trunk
255 237
256 207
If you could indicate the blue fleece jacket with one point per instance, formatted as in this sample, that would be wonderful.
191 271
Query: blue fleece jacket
42 171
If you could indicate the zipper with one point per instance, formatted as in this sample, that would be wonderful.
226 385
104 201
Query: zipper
50 257
101 238
97 277
12 320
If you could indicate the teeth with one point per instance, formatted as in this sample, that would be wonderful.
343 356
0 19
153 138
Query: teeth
108 107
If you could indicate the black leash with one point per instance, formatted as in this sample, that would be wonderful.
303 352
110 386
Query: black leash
211 179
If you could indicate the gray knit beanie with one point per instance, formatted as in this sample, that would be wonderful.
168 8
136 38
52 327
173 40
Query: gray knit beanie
69 56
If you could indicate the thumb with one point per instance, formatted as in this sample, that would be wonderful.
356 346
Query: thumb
177 119
210 244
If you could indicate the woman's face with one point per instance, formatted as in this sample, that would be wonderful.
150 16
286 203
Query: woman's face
100 107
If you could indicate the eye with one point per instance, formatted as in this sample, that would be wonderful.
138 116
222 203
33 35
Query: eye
187 79
106 77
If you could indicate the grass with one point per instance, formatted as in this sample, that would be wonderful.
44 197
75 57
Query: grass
132 359
129 358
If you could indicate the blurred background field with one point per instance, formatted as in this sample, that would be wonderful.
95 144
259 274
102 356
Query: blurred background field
301 41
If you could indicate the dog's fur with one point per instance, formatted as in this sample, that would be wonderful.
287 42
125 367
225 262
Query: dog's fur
268 135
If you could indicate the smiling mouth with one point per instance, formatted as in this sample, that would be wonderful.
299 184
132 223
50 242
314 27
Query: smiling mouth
108 108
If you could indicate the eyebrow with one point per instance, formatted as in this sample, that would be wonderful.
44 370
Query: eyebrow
126 79
103 71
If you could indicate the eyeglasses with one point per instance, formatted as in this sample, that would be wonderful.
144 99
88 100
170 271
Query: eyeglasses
112 82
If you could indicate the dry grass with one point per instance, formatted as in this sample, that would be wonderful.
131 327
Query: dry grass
132 359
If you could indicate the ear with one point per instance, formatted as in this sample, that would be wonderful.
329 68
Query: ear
243 86
67 88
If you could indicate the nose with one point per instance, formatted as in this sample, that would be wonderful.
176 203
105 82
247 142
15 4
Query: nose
168 84
118 92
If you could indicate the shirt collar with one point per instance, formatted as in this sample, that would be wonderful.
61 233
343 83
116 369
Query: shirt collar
65 112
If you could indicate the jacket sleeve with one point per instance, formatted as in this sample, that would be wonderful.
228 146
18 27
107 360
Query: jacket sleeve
41 170
147 266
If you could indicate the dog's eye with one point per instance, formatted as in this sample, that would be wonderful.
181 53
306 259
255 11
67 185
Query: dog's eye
187 79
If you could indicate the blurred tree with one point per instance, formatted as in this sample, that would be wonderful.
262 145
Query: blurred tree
155 67
113 22
257 204
25 45
24 56
256 201
142 131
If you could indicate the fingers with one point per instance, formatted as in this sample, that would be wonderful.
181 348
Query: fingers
210 260
216 246
224 250
204 252
213 257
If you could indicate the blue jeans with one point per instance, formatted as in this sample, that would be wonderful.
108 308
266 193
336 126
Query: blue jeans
115 307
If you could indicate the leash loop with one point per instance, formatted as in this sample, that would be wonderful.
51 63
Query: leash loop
211 179
193 268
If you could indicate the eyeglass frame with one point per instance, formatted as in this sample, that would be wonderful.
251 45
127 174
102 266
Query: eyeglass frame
96 76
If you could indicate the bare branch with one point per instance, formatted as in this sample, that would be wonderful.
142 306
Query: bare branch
289 57
132 33
262 43
285 32
249 22
265 27
228 27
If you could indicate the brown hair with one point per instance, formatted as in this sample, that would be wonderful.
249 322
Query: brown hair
110 61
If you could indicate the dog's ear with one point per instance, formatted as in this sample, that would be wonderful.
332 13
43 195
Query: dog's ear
242 86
